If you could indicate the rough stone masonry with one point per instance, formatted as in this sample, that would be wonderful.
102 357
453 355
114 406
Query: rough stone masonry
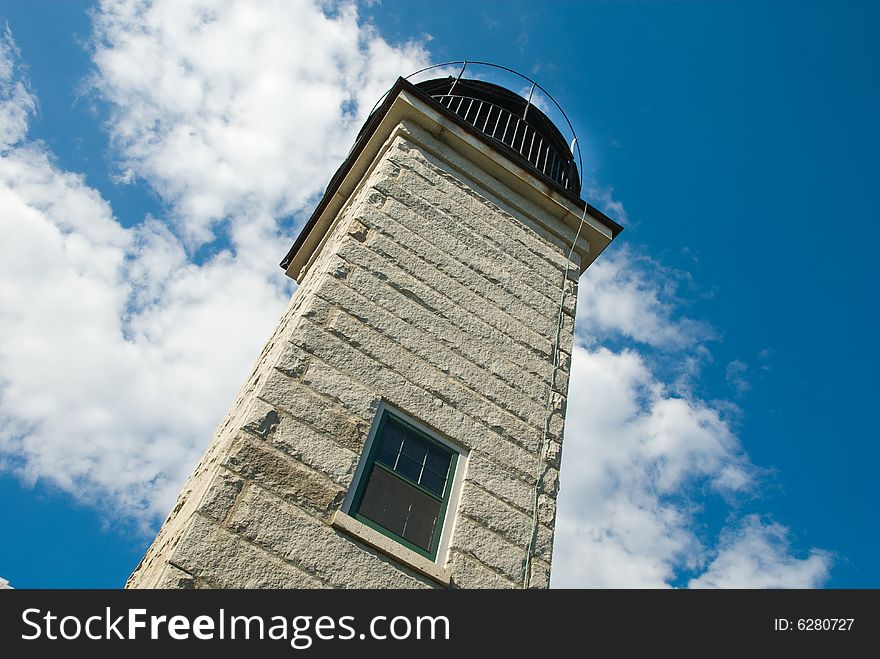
436 290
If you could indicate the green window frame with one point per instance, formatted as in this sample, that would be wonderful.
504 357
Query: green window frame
389 483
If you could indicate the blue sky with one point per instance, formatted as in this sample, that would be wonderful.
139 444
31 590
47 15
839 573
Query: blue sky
151 181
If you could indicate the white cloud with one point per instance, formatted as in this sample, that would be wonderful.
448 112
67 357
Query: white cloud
106 335
235 114
758 555
635 297
602 196
16 101
643 451
735 376
232 109
637 460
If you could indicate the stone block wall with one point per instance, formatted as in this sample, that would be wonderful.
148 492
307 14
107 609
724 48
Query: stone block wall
434 292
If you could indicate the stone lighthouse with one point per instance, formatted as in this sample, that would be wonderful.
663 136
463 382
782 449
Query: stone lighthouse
402 427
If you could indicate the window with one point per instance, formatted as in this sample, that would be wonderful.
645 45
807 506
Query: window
405 485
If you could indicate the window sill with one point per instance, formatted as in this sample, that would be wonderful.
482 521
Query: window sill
395 550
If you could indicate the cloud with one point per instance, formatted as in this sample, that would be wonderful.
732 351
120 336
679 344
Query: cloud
16 100
633 296
639 463
764 358
109 327
602 196
106 335
232 109
638 460
758 555
643 453
735 376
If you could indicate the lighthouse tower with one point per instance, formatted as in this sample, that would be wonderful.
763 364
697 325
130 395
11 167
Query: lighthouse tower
402 427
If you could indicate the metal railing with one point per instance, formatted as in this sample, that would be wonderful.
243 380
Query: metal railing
515 132
562 168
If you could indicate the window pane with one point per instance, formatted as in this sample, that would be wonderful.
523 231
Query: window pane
393 436
433 481
408 467
400 508
415 447
386 452
438 460
394 432
422 518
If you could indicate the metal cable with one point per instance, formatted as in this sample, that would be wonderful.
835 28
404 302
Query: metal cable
540 469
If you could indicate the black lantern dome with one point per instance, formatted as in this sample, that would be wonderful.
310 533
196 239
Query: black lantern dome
518 125
514 125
